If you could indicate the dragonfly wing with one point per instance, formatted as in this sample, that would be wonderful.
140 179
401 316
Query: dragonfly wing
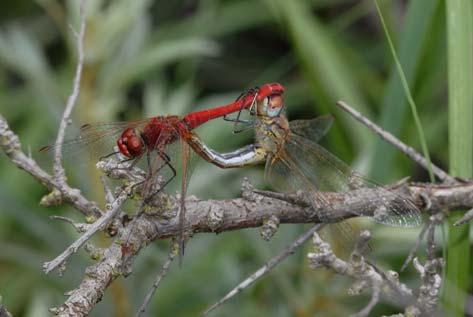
314 129
328 173
94 139
284 173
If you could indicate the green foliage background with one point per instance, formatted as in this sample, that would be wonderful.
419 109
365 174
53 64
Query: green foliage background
146 58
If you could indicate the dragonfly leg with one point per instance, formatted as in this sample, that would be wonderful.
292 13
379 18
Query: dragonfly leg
130 167
237 119
108 155
167 162
248 126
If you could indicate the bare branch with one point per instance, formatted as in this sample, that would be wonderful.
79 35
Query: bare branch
385 135
173 249
100 224
59 173
234 214
10 144
113 263
272 263
366 275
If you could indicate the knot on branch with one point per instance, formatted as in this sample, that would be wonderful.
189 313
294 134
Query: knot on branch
94 252
248 191
269 227
214 217
54 198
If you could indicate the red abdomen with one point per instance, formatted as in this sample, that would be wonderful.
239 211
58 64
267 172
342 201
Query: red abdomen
194 119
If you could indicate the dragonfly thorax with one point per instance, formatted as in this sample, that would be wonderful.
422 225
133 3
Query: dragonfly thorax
271 133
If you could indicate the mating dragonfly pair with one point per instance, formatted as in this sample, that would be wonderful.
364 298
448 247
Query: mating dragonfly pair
294 160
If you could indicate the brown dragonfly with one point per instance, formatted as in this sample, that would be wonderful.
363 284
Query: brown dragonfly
296 162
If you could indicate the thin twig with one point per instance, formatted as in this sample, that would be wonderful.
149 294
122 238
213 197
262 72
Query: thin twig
414 249
267 267
465 218
96 226
173 249
369 307
109 198
59 173
409 151
80 227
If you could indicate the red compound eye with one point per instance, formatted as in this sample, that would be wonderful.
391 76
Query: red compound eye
276 102
130 143
270 89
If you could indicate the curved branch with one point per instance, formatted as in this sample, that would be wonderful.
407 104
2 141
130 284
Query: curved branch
235 214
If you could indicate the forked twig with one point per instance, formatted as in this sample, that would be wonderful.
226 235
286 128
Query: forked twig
267 267
409 151
10 144
99 224
365 273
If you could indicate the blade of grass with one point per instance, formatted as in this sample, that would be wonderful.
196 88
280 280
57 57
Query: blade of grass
410 100
418 23
460 103
322 61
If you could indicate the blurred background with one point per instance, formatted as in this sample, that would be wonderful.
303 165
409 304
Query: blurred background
146 58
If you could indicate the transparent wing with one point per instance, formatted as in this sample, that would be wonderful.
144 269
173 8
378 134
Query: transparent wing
318 169
285 174
314 129
95 140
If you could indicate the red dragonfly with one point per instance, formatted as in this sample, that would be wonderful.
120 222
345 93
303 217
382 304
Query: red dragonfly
140 138
296 162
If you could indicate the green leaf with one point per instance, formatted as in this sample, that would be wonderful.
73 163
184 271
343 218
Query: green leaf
460 104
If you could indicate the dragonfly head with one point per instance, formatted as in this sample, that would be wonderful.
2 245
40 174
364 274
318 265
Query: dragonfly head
270 100
131 143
